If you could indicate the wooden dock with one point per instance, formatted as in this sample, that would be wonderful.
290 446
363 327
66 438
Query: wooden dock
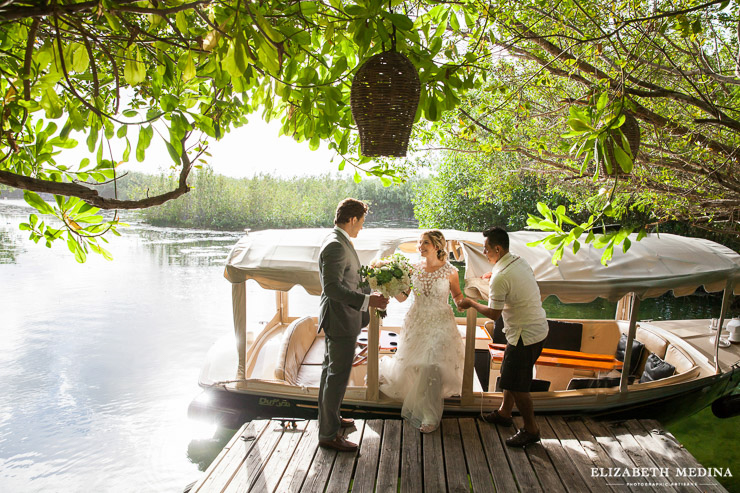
465 454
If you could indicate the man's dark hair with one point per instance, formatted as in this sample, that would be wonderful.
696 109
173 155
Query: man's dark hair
349 208
496 236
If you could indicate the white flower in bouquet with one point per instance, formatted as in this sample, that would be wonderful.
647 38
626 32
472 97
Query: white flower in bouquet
389 276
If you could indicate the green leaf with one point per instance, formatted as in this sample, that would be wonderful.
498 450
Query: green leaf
401 21
134 70
145 138
625 162
357 178
641 234
189 71
34 200
579 125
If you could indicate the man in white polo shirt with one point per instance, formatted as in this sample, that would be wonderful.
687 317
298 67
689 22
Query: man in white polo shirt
514 294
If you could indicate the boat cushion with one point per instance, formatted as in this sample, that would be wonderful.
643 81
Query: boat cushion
297 340
656 368
561 335
678 358
596 383
637 353
653 342
564 335
315 354
309 376
537 385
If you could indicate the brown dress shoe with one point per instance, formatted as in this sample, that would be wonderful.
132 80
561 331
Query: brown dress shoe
339 443
346 422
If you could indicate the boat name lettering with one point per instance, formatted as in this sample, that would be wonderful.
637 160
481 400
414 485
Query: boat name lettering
264 401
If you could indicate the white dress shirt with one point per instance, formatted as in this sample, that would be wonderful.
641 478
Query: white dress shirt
514 290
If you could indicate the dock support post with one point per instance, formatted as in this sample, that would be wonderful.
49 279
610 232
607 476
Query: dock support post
373 342
634 307
466 399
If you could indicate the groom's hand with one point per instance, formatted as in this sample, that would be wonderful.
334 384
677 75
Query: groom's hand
378 301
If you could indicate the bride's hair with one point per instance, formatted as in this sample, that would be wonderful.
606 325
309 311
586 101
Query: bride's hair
438 241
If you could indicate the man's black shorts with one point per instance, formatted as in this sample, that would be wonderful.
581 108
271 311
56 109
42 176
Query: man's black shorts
517 365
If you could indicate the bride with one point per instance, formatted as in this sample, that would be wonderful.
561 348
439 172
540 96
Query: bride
428 365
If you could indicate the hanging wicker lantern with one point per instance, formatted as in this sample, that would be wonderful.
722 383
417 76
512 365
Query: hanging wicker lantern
384 98
631 129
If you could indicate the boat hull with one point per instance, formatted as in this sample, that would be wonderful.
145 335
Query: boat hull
232 407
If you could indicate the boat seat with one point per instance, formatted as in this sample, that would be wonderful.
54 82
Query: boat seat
679 359
297 340
653 342
315 354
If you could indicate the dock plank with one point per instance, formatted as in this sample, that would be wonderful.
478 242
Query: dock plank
560 454
390 456
463 455
255 460
542 464
341 474
480 476
637 454
281 457
318 474
298 467
522 469
598 455
620 458
433 458
658 454
503 479
367 463
410 463
219 476
580 457
457 476
680 455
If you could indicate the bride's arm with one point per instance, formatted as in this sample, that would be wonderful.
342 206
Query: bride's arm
455 290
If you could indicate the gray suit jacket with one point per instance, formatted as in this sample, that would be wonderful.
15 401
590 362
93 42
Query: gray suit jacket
341 296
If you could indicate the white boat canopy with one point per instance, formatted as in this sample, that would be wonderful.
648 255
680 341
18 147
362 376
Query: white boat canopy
281 259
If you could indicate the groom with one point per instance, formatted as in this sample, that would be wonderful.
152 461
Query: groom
343 312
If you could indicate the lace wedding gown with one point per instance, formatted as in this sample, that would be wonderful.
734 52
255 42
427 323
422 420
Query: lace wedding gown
428 365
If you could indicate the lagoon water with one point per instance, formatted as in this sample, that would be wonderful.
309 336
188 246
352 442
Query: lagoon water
99 361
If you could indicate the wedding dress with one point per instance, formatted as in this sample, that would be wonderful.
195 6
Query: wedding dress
428 365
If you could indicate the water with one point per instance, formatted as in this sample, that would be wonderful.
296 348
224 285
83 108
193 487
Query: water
99 361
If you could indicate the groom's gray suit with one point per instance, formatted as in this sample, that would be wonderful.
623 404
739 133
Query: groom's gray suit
342 319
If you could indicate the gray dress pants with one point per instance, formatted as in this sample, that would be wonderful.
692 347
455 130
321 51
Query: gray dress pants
337 366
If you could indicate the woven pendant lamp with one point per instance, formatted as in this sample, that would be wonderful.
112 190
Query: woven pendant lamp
631 130
384 98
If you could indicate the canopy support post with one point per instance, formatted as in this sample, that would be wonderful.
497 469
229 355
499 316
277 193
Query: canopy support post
634 307
723 311
373 343
466 399
239 310
281 303
623 307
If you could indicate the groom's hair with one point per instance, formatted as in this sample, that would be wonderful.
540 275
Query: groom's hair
497 237
349 208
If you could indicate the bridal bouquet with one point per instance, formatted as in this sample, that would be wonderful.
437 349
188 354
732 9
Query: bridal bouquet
389 276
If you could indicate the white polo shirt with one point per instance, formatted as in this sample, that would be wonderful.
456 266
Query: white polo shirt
513 290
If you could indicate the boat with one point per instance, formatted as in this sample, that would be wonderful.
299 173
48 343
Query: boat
273 371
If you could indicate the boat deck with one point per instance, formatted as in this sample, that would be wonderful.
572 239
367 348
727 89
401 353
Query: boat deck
463 455
697 333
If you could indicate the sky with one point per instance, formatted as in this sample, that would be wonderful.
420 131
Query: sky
248 150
